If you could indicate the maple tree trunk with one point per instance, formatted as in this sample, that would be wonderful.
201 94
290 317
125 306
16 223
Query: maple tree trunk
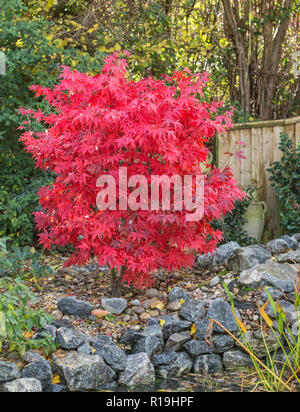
115 282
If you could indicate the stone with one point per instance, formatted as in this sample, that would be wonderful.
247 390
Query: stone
181 365
130 337
138 371
155 330
83 372
75 307
40 370
197 347
176 294
22 385
163 358
276 246
149 344
214 281
292 256
257 344
203 262
46 331
8 371
279 275
145 316
236 359
247 257
114 305
70 338
135 302
31 356
174 306
192 310
85 349
296 236
210 363
224 252
288 308
152 293
220 311
222 343
113 356
291 242
175 325
275 294
177 340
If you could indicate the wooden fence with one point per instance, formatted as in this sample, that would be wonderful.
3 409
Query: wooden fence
262 139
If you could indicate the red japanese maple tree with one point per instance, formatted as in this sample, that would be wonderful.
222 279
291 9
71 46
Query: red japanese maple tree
153 127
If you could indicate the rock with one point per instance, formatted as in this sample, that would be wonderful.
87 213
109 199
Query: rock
113 356
83 372
220 311
177 340
291 242
138 371
40 370
201 328
62 323
192 310
155 330
148 302
180 365
197 347
47 330
236 359
296 237
224 252
149 344
247 257
210 363
214 281
130 337
75 307
56 388
177 294
203 262
163 358
152 293
135 302
288 308
69 338
8 371
257 345
222 343
85 349
290 257
114 305
276 246
276 294
174 326
174 306
145 316
22 385
31 356
278 275
102 340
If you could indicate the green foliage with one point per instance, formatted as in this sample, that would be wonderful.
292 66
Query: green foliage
232 224
18 319
285 178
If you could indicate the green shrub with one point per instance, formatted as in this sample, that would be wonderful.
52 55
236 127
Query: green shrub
232 224
285 179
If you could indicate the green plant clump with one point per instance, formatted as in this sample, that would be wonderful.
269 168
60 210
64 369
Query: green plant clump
285 179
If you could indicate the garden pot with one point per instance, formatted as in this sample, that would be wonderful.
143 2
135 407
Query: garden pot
255 216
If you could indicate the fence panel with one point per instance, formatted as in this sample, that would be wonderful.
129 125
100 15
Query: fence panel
262 139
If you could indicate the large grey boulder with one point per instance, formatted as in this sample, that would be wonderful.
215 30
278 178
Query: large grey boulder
138 371
163 358
276 246
192 310
114 305
198 347
221 311
70 338
177 340
278 275
291 241
22 385
83 372
179 366
247 257
8 371
75 307
150 344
